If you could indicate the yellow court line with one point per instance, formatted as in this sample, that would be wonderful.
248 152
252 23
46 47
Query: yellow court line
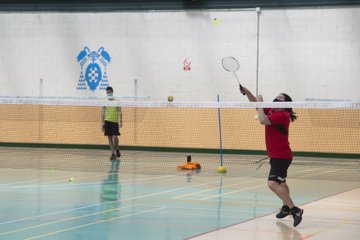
93 223
62 220
231 192
210 189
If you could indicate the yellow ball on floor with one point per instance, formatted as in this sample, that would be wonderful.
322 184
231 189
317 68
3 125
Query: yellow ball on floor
71 179
221 169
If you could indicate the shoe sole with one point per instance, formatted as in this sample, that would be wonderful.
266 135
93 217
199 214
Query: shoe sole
302 212
283 216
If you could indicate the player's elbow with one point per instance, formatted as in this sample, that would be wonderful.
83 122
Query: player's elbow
262 122
265 121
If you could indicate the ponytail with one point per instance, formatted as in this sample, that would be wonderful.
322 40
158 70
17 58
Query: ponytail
293 115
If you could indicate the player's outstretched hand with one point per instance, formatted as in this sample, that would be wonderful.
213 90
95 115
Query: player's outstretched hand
259 98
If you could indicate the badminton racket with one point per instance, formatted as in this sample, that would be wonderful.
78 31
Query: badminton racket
260 162
230 64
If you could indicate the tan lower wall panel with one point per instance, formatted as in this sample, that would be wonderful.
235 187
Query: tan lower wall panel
315 130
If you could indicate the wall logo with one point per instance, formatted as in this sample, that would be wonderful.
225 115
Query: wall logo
94 64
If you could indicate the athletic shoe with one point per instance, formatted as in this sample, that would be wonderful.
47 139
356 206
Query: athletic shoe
118 154
113 157
284 211
297 215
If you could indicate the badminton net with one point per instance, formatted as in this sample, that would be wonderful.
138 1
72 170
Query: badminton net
65 134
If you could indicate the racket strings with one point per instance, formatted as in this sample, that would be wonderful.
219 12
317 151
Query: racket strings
230 64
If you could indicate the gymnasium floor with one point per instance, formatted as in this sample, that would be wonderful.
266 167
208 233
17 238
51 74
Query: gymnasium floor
127 199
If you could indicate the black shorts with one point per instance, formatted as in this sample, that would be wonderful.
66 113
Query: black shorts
111 129
278 170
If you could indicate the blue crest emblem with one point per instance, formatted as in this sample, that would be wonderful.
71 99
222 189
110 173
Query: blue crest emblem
94 75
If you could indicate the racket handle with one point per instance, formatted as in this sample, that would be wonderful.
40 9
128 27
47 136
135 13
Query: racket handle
242 90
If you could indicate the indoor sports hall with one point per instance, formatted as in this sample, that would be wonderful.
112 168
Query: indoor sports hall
194 84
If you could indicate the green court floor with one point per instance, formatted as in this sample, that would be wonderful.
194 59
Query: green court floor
123 203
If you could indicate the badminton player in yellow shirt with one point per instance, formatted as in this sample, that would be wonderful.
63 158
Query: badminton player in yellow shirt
111 118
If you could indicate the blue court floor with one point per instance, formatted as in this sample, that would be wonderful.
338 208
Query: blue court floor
122 204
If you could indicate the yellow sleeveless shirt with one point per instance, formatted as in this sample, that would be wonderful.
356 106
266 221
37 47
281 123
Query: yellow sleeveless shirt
111 114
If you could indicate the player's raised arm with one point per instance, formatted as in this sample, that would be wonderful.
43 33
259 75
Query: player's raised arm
249 94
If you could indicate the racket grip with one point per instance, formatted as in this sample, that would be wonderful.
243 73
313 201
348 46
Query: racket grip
242 90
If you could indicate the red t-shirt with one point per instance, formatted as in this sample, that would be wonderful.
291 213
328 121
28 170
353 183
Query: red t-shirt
277 134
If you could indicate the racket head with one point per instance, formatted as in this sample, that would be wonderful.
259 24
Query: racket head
230 64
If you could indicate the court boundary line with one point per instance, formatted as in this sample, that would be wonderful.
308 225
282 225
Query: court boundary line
92 223
62 220
103 204
5 188
248 220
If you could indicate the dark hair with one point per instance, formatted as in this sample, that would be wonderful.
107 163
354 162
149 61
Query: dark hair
293 116
109 89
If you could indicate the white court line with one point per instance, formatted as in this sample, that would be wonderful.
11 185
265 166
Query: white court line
216 188
144 180
93 223
63 220
10 186
232 192
320 221
320 171
103 204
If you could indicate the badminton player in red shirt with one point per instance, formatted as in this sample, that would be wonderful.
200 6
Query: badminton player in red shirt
277 122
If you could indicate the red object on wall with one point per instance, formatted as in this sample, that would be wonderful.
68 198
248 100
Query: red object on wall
187 64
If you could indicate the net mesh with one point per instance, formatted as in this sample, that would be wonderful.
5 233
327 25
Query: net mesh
65 134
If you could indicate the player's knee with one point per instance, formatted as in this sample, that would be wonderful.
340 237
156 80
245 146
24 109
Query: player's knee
272 184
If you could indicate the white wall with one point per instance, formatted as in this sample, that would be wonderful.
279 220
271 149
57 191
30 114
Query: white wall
311 53
308 53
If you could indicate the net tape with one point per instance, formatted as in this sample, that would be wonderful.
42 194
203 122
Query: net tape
151 104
